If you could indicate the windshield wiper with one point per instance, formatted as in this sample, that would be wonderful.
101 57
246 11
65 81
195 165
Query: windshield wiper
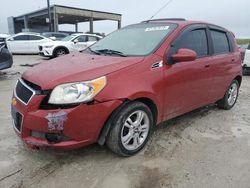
96 52
110 52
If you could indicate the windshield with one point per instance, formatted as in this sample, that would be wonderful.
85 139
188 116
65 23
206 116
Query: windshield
135 40
68 38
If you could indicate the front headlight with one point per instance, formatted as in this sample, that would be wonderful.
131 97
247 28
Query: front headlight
78 92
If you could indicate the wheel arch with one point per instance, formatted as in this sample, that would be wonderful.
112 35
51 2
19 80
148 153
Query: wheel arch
106 128
239 79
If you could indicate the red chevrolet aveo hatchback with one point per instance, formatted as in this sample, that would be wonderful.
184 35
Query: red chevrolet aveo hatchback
119 89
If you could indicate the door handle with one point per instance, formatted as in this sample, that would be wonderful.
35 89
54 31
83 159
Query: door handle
207 66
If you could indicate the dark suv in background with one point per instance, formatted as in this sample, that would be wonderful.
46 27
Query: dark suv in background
6 60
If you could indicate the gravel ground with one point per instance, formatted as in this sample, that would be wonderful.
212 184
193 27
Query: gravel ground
205 148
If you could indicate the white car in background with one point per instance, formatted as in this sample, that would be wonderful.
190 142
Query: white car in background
25 43
71 43
246 61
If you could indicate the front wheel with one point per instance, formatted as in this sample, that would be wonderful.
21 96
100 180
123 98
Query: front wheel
230 97
60 52
130 129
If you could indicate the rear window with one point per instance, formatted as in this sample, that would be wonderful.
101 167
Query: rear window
33 37
220 42
92 38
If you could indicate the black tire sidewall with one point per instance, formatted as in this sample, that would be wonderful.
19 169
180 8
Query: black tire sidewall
120 120
56 51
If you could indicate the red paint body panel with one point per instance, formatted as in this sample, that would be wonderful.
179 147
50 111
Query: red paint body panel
174 88
81 125
76 67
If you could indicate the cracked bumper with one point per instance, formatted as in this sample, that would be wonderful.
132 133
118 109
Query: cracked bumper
82 124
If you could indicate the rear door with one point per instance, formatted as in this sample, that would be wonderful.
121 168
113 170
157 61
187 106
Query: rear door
188 83
224 61
34 42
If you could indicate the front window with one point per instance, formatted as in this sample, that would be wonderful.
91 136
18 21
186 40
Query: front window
195 40
135 40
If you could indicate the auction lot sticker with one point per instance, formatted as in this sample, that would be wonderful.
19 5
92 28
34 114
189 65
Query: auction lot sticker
160 28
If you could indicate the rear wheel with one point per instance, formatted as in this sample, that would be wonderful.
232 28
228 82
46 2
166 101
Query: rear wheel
130 129
60 52
230 97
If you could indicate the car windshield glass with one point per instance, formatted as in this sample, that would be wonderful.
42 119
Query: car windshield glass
135 40
68 38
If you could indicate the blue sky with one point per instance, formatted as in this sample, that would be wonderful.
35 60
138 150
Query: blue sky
232 14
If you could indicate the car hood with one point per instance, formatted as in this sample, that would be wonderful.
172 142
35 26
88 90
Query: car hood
76 67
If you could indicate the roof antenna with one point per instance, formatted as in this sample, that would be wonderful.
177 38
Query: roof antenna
160 9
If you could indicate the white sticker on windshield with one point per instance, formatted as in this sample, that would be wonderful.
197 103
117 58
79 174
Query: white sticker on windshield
160 28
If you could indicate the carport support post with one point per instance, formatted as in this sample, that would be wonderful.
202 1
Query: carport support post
25 19
119 24
48 4
91 25
76 27
55 21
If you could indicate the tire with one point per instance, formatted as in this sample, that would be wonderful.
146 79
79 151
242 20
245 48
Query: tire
130 129
230 97
60 52
243 71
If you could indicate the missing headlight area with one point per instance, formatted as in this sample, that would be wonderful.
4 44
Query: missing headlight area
56 120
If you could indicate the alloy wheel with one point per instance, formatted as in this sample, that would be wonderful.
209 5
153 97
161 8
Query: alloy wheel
135 130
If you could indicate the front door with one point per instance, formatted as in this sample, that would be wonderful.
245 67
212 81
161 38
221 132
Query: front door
18 44
187 84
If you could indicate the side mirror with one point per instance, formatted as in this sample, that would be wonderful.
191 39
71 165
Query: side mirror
10 39
76 41
183 55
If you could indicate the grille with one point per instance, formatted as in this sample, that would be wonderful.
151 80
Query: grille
40 48
17 119
23 92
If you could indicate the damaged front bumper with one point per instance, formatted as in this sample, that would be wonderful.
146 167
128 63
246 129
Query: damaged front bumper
60 128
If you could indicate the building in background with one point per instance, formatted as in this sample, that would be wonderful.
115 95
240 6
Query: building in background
38 21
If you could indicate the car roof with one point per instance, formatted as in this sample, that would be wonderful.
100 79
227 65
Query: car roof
54 33
86 34
181 22
28 33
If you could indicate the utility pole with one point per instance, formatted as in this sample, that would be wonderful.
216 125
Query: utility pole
49 13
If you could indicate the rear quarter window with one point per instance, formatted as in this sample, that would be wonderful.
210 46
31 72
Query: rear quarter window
33 37
232 41
220 42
